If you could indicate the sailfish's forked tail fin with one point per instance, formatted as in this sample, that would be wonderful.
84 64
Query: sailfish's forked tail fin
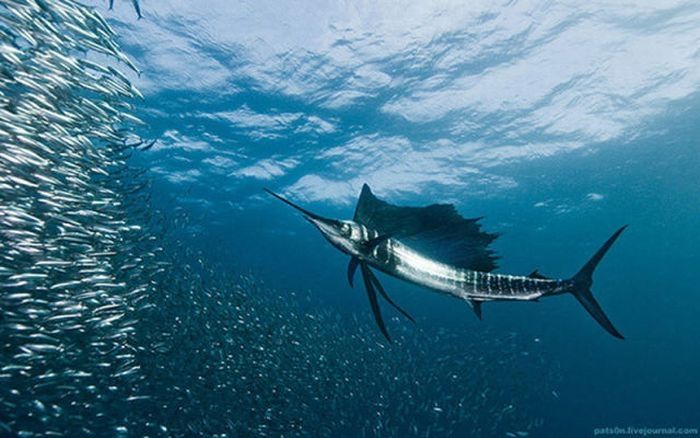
581 286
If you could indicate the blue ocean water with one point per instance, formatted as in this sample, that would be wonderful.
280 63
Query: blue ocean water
556 122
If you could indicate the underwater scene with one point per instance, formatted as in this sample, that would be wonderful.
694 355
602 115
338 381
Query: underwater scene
349 219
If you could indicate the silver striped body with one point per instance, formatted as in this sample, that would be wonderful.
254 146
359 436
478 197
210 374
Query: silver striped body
399 260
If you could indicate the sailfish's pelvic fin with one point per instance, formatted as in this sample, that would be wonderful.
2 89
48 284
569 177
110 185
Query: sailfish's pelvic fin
372 295
382 292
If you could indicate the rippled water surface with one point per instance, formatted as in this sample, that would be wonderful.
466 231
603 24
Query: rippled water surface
150 287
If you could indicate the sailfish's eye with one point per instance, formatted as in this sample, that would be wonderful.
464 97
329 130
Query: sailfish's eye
345 229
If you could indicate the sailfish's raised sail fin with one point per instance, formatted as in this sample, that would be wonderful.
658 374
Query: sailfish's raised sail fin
437 230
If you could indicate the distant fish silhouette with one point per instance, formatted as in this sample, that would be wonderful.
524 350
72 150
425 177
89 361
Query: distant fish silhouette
137 7
437 248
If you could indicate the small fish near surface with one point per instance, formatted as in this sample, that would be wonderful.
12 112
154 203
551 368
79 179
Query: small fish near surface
437 248
135 3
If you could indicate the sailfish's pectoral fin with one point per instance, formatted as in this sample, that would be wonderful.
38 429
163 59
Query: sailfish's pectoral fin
476 307
372 243
382 292
372 294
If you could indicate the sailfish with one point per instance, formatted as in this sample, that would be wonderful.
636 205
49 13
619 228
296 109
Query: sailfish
435 247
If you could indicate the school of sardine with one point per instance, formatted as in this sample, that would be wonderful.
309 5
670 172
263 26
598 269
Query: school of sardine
111 325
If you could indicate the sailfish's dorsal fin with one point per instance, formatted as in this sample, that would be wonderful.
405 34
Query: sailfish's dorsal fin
536 274
438 231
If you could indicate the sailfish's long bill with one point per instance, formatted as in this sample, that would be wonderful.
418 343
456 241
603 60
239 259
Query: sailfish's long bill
327 227
437 248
